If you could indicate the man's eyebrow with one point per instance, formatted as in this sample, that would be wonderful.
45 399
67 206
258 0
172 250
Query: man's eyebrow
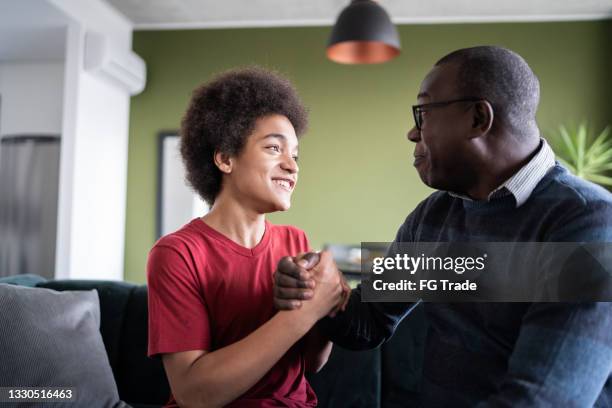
423 95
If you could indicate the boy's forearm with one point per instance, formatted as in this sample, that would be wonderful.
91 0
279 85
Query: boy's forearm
221 376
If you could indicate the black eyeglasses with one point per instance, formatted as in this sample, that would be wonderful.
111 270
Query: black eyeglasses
417 110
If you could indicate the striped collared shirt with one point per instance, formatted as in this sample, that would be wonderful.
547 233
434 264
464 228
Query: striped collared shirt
524 181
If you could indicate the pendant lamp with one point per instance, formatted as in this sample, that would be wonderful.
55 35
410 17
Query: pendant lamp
363 34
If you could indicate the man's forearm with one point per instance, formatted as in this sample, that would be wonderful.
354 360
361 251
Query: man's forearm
317 349
364 325
221 376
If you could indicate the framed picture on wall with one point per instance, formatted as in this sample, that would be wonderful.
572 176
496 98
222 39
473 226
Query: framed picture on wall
177 203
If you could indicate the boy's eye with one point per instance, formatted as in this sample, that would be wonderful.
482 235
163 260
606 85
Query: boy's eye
295 158
276 148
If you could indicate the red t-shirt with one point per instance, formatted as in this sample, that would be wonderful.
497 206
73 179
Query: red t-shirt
207 292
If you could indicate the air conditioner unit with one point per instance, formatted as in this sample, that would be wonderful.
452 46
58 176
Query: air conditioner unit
122 68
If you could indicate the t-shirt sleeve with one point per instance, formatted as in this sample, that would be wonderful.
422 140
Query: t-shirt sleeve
178 316
293 241
304 243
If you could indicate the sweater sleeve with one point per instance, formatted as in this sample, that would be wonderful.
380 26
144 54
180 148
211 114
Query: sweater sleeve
366 325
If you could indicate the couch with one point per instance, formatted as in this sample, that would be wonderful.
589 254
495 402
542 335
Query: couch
387 377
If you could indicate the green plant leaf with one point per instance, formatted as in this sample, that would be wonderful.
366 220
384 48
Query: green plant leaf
568 144
602 158
601 143
601 168
580 143
601 149
585 156
599 179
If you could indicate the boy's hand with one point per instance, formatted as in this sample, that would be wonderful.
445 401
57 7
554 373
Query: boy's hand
296 278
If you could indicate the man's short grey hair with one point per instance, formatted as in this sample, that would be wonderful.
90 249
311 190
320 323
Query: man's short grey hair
504 79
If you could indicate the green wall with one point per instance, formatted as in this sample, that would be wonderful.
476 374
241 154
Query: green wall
356 181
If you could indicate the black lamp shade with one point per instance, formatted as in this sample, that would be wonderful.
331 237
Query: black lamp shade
363 34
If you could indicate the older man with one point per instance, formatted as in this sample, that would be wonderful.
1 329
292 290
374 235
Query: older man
477 141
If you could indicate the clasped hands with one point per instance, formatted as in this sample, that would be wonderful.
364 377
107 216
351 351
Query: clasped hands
310 282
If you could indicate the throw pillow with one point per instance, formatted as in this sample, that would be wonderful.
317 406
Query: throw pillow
52 339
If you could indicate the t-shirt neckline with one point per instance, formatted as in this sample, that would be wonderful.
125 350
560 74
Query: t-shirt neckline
251 252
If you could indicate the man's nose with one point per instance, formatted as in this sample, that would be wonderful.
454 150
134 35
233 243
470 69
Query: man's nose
414 135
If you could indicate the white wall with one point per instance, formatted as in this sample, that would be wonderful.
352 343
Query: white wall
98 184
31 97
93 168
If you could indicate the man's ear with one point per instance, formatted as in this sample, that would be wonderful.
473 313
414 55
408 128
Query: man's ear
224 162
483 117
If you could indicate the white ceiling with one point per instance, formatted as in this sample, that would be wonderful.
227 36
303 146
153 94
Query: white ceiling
31 30
170 14
35 30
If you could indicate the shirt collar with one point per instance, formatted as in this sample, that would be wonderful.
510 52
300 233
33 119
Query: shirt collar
524 181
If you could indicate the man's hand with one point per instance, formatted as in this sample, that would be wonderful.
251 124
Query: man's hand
296 280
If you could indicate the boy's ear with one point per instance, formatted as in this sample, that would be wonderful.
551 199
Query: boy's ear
224 162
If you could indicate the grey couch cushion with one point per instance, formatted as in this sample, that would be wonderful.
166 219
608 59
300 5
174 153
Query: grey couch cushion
52 339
